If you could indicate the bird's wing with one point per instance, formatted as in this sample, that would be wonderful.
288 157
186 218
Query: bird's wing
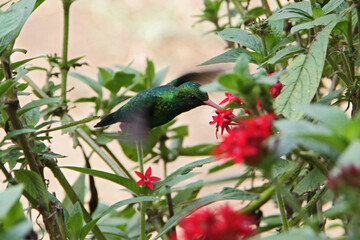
199 77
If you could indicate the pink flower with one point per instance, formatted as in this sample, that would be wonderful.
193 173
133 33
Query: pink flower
349 176
244 143
147 178
222 224
232 98
223 120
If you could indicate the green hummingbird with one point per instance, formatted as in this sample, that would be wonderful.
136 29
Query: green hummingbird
159 105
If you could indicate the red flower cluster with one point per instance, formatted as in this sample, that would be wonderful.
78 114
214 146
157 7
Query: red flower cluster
349 176
244 143
275 89
224 224
147 178
223 120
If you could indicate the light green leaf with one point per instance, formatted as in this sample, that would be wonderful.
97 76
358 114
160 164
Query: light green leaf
18 232
327 99
32 117
284 53
23 10
332 117
242 37
34 185
295 234
160 76
9 20
295 10
323 20
75 222
80 189
310 182
332 5
88 81
17 132
226 57
37 103
303 75
8 198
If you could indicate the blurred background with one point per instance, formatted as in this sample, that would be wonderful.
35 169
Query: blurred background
110 32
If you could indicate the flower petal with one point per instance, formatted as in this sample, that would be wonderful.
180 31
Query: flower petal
148 172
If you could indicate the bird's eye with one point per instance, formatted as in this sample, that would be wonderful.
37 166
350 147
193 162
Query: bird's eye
192 97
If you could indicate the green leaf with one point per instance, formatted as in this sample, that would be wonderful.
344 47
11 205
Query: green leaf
302 77
88 81
34 185
120 79
332 5
328 98
75 222
296 234
242 37
128 183
197 150
295 10
8 198
32 117
226 193
38 103
85 230
5 86
18 232
332 117
9 20
183 171
284 54
80 189
17 132
160 76
310 182
23 10
323 20
226 57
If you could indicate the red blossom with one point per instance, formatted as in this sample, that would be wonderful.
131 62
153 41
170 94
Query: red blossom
275 89
147 178
223 120
244 143
232 98
222 224
349 176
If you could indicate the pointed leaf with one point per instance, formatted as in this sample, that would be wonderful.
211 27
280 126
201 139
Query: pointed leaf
228 56
37 103
310 182
5 86
8 198
332 5
88 81
284 53
302 77
242 37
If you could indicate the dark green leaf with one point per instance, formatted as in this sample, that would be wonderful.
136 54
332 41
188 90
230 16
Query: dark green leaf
242 37
5 86
32 117
310 182
34 185
198 150
302 77
38 103
129 184
80 189
75 222
17 132
120 79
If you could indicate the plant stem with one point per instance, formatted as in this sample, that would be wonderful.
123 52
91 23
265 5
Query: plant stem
112 155
142 204
64 61
267 194
282 211
266 8
51 164
238 7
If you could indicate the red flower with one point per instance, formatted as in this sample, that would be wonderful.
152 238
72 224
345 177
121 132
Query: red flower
275 89
232 98
223 119
349 176
223 224
147 178
244 143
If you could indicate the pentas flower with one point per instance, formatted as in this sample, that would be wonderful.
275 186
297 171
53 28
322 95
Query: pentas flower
349 176
147 178
222 224
275 89
232 98
245 142
223 120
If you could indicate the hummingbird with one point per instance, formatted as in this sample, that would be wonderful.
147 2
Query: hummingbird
159 105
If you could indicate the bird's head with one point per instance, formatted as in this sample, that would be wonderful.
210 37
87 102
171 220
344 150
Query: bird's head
190 94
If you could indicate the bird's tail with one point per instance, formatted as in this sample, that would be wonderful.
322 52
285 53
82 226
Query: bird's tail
109 119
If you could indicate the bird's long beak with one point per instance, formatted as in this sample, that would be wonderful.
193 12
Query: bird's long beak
212 104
